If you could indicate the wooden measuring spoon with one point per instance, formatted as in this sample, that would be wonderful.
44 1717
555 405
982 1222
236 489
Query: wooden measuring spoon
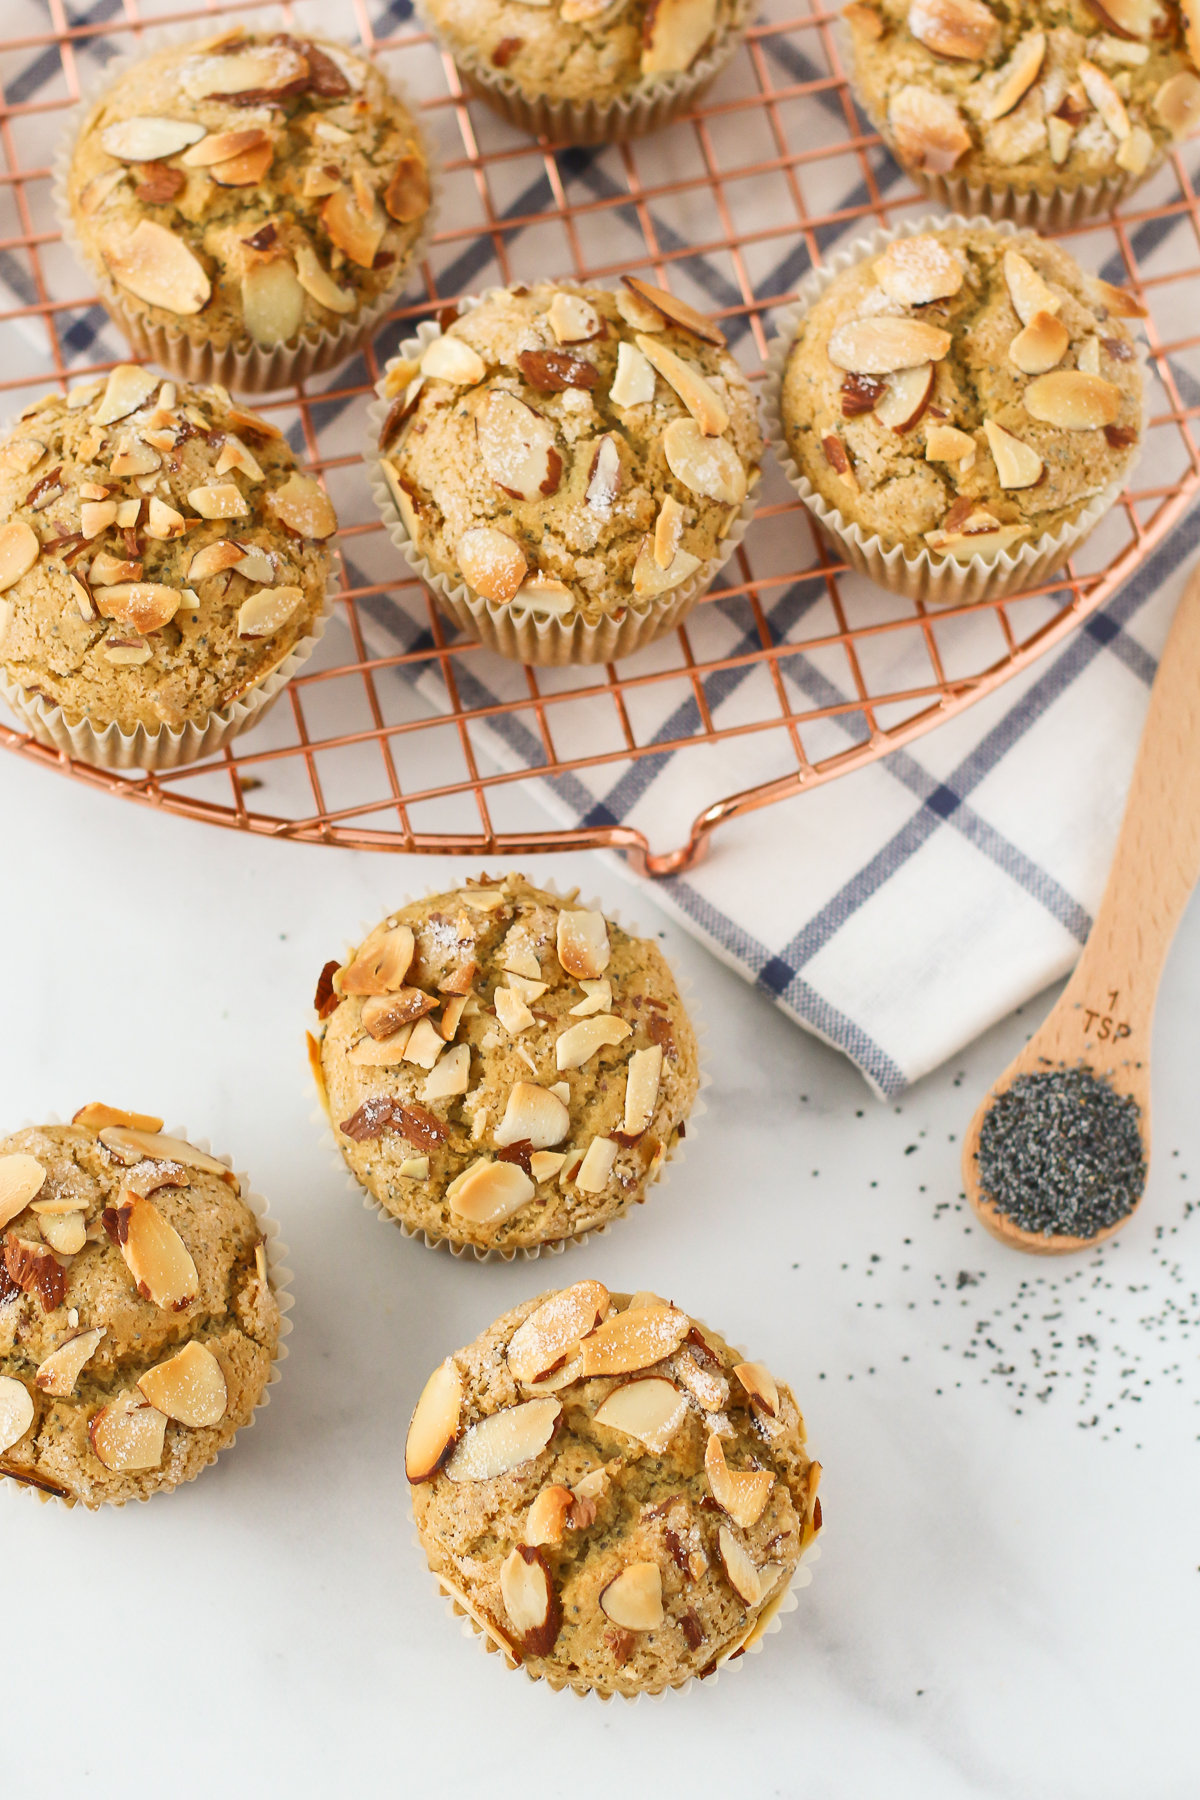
1104 1015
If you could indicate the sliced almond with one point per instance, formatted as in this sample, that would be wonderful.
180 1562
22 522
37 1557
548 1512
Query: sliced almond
707 466
1135 151
604 480
219 500
518 956
95 517
223 146
505 1440
255 564
649 580
127 653
272 302
381 1053
488 1193
651 1410
595 1171
701 400
235 455
163 522
1029 293
127 388
145 605
1105 98
303 508
742 1493
669 307
544 1165
319 284
905 397
673 34
20 548
83 599
150 139
597 998
134 458
668 530
425 1045
407 195
132 1145
518 448
946 443
527 1591
928 129
356 232
579 1043
452 359
189 1387
1060 133
58 1373
100 190
1118 300
266 68
882 345
96 1115
1133 18
512 1011
572 319
633 1340
262 614
16 1411
963 30
491 562
554 1329
450 1076
546 1520
918 270
21 1179
156 1255
1177 103
158 268
582 943
433 1430
641 1089
1041 345
965 545
759 1384
128 1433
863 21
67 1234
22 454
633 383
745 1580
246 170
380 968
633 1599
1017 76
386 1012
532 1115
711 1390
213 559
1072 400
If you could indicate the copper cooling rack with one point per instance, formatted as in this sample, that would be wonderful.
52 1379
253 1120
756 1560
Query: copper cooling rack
399 735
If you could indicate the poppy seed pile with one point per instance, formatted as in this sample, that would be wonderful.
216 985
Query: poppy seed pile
1061 1153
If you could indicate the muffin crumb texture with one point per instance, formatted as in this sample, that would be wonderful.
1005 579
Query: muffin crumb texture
160 553
964 391
503 1068
137 1321
1028 97
564 449
612 1494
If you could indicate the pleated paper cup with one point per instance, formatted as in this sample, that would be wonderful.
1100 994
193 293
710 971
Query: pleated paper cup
241 365
432 1240
280 1279
946 581
649 105
517 631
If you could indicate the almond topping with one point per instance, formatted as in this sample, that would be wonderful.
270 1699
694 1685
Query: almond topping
1060 132
633 383
1072 400
219 500
863 21
554 1329
128 1433
1029 293
189 1387
262 614
759 1383
452 359
743 1494
451 1075
505 1440
534 1116
701 400
158 268
381 964
488 1193
21 454
134 458
651 1410
917 270
16 1411
21 1178
650 580
157 1257
595 1171
246 170
433 1430
668 530
963 30
235 455
1118 300
95 517
382 1053
579 1043
529 1600
384 1013
928 131
604 480
1135 151
265 68
518 448
1041 345
163 522
59 1371
357 232
223 146
318 284
1105 98
708 466
19 550
546 1520
633 1599
145 605
749 1583
1132 18
674 311
95 1116
213 559
945 443
512 1011
582 943
407 195
132 1145
711 1390
1017 76
633 1340
906 395
641 1089
149 139
303 508
572 319
272 302
673 34
881 345
127 388
1177 103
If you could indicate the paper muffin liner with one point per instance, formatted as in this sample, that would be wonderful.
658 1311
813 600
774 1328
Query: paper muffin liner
280 1277
648 106
111 748
474 1625
323 1119
948 581
247 368
517 632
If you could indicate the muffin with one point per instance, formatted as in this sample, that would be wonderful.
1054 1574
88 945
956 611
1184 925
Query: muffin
138 1325
503 1069
588 72
249 205
567 467
1044 114
163 567
610 1493
958 407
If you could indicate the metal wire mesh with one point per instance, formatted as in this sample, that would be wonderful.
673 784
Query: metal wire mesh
401 735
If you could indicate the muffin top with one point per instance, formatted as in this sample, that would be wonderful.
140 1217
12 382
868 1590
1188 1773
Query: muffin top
614 1496
503 1068
569 449
1027 96
248 188
963 391
137 1321
582 50
160 554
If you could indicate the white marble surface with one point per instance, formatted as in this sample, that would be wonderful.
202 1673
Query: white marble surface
1007 1600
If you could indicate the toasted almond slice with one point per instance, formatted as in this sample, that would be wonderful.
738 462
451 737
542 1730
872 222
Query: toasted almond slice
58 1372
1041 345
759 1383
518 956
881 345
100 190
189 1387
21 454
265 67
1072 400
906 395
641 1088
633 1340
262 614
488 1192
742 1493
863 21
650 1410
156 1255
1135 151
1088 357
219 500
128 1433
1117 300
357 233
67 1235
518 448
1017 76
505 1440
1132 18
595 1171
235 455
450 1076
127 388
633 383
712 1391
545 1164
546 1519
928 130
637 312
381 1053
214 558
1030 294
963 30
272 302
582 943
130 653
604 480
572 319
433 1429
145 605
381 963
527 1591
158 268
150 139
666 306
946 443
1105 98
668 530
19 550
553 1331
163 522
21 1179
223 146
918 270
1177 103
385 1012
1060 132
132 457
425 1045
597 998
303 508
318 283
95 1116
742 1575
963 545
16 1411
407 195
707 466
131 1145
512 1011
633 1599
452 359
95 517
255 564
532 1115
673 34
246 170
579 1043
649 580
701 400
491 562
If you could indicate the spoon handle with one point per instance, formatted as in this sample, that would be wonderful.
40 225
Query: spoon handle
1157 860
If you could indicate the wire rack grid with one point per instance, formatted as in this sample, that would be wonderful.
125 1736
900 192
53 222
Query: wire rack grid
401 735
